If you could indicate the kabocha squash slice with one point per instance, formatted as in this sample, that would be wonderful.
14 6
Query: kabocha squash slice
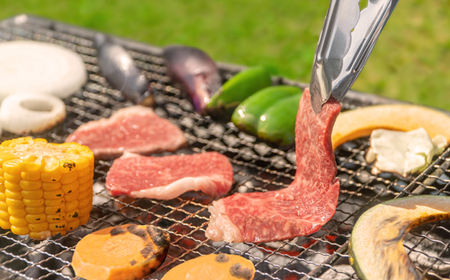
376 244
402 117
214 266
122 252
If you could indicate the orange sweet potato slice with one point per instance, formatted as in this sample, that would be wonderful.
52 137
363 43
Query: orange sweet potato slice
214 266
122 252
402 117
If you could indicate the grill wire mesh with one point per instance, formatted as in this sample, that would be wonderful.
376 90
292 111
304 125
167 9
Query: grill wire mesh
257 167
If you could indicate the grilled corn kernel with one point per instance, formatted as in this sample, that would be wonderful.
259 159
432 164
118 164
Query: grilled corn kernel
45 188
15 203
85 178
84 220
33 202
12 186
69 177
70 188
83 172
85 186
56 194
85 202
18 222
51 176
54 202
37 227
50 210
72 215
36 194
30 185
31 175
72 196
84 211
84 195
17 212
5 224
60 225
71 205
36 218
19 230
13 195
73 224
11 178
4 215
35 209
51 186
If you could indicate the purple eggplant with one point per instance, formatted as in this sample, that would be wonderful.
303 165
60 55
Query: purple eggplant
117 66
195 71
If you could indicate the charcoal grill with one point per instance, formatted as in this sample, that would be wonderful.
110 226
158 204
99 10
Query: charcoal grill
257 167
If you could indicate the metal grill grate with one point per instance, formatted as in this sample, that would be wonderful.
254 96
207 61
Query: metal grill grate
257 167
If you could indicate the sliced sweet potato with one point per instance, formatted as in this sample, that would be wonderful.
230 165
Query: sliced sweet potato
402 117
121 252
214 266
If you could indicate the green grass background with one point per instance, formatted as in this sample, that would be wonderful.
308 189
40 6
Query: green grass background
410 61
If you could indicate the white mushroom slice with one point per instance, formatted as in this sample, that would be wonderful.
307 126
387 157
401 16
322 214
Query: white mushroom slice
25 113
403 152
41 68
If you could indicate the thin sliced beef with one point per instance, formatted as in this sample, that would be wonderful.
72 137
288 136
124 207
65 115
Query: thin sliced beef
302 208
170 176
135 129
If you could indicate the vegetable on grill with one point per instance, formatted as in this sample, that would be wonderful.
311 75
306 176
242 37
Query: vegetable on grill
236 90
45 188
402 117
28 66
214 266
376 245
195 70
122 252
270 114
31 113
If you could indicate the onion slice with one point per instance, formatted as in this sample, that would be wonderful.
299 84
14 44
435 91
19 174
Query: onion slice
41 68
25 113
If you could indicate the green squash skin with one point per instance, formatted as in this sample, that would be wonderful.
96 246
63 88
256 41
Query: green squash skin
247 115
393 247
236 90
279 124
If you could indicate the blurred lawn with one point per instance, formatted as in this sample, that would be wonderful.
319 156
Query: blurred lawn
410 61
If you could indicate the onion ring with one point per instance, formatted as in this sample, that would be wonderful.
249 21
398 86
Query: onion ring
42 68
25 113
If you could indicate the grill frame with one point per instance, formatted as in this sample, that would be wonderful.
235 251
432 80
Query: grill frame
257 167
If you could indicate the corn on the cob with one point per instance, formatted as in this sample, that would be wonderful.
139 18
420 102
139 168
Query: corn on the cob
45 188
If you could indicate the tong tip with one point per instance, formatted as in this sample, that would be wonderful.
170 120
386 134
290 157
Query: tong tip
316 102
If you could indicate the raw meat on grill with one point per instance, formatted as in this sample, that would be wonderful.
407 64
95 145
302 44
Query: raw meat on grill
168 177
135 129
302 208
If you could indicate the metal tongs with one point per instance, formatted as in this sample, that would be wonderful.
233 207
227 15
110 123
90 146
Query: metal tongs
346 41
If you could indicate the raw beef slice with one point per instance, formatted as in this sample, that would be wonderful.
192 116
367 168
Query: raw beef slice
135 129
170 176
302 208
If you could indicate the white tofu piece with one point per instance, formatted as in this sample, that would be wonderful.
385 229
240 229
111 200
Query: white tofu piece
403 152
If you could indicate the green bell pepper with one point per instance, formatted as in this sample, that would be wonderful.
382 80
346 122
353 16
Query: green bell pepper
236 90
270 114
